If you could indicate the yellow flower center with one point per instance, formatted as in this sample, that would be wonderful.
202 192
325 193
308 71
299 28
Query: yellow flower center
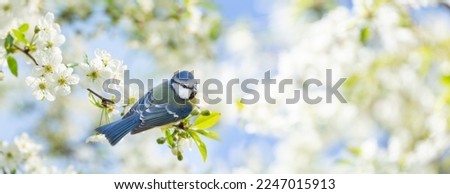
93 75
9 155
132 100
62 81
49 44
6 7
48 68
42 86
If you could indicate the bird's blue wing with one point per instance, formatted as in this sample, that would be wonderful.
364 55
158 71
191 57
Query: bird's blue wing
162 114
141 105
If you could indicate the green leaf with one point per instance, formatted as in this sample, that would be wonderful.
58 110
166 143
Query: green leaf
215 29
210 134
200 145
355 151
9 41
364 35
24 27
204 122
445 79
12 64
20 36
169 138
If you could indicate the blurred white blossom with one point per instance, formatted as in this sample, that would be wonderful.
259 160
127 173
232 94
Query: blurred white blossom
23 156
15 12
96 138
373 43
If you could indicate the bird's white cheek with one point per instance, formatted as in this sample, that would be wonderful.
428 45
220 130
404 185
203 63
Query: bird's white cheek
183 92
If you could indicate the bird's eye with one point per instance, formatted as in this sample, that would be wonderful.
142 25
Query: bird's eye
185 86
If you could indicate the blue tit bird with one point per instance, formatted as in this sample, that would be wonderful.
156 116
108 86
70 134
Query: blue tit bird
164 104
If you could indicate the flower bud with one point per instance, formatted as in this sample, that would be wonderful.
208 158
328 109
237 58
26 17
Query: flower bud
179 156
36 30
206 113
161 140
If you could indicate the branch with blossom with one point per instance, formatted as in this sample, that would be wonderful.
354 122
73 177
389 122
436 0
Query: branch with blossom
51 78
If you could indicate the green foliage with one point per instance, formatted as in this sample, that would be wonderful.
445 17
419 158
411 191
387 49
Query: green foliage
12 65
210 134
214 32
24 28
9 44
106 105
94 101
169 138
20 36
190 129
364 35
200 145
204 122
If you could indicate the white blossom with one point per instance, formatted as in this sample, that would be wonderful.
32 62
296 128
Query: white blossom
47 24
47 63
10 156
95 72
50 41
63 79
26 146
42 88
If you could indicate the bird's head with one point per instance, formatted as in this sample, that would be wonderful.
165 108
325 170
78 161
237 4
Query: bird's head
184 84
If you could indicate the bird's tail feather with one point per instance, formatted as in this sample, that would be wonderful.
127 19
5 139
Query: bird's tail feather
115 131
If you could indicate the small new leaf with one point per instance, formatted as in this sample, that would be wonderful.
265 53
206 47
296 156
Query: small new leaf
205 122
20 36
210 134
364 35
12 64
214 31
24 27
445 79
169 138
200 145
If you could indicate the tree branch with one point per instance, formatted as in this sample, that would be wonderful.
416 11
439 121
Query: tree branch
105 101
26 52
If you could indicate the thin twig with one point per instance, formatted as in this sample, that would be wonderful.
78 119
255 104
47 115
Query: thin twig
104 100
26 52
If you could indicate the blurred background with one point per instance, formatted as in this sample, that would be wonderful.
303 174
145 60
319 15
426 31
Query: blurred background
395 55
